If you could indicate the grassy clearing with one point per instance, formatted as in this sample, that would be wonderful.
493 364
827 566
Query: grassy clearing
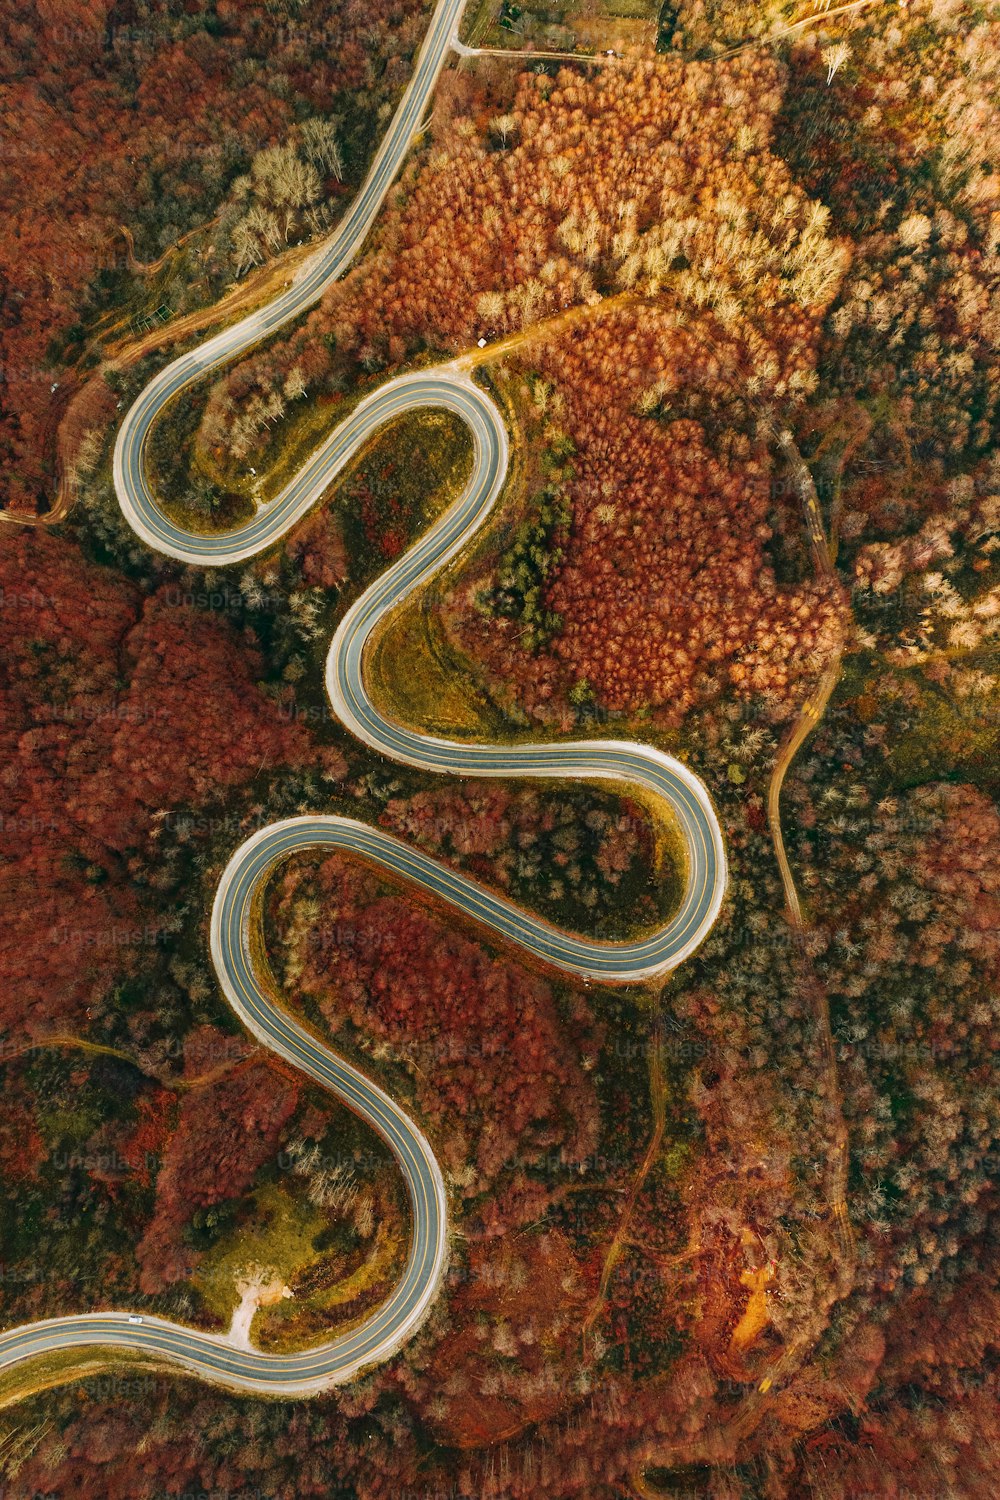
418 678
334 1272
279 1233
560 25
477 19
337 1296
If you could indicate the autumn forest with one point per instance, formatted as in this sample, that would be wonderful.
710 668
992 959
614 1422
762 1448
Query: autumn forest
730 274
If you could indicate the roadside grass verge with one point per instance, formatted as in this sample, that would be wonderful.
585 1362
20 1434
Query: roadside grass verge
60 1366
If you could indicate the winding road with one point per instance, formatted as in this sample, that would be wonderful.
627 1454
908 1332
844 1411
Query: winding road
235 914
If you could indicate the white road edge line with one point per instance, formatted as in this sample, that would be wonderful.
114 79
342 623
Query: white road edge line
384 1332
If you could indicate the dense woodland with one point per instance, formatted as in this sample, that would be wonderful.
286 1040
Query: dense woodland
540 226
776 265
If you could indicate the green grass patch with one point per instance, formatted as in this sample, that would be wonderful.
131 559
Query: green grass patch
279 1233
632 10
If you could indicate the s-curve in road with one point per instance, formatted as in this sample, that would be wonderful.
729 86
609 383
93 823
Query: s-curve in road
235 913
329 263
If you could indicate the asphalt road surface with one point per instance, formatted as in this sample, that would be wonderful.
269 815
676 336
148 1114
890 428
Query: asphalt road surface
236 908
